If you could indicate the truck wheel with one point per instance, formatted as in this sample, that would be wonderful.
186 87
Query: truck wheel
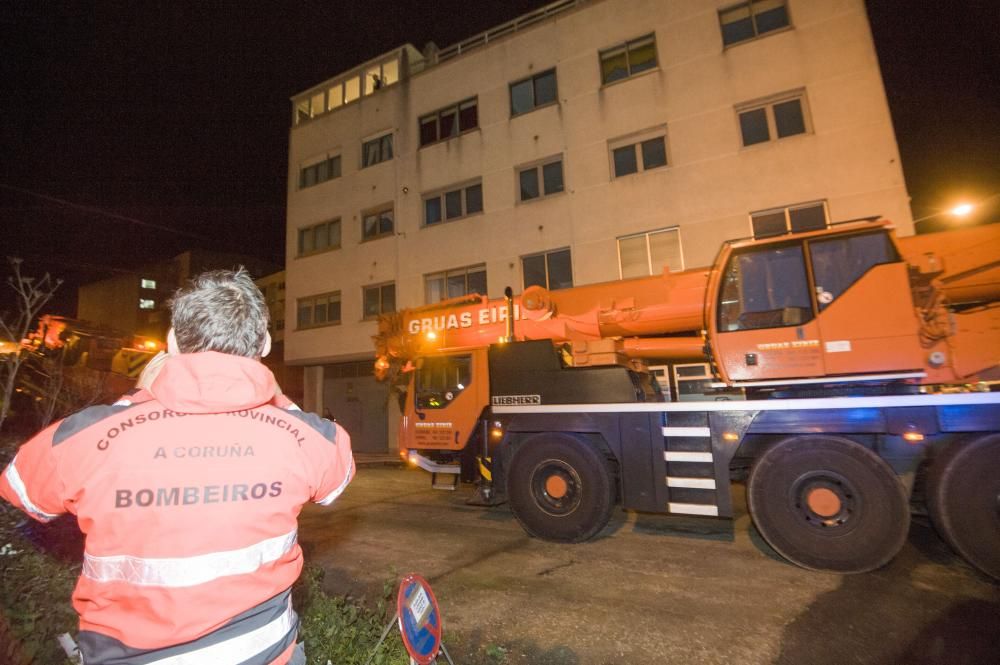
827 503
560 488
964 500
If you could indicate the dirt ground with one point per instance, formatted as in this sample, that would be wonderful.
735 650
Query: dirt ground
649 589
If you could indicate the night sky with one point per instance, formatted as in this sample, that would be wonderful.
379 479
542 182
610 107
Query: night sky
134 131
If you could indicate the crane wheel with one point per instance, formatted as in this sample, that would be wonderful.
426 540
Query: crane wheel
828 503
560 488
964 500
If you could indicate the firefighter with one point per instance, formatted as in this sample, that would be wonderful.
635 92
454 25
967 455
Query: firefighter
188 491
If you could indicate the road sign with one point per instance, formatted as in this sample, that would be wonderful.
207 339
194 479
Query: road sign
419 619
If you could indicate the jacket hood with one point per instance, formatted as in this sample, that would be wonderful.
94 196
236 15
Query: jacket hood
212 382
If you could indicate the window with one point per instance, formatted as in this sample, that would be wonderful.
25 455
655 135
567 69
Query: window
374 77
792 219
440 380
448 122
453 204
377 150
319 237
773 120
321 310
377 223
147 283
532 92
628 59
840 262
328 169
631 156
649 253
146 303
453 283
379 299
540 180
748 20
765 288
552 270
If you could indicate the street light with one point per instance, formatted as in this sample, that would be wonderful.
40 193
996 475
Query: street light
961 210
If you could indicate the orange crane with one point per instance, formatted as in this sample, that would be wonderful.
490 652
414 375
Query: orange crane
855 350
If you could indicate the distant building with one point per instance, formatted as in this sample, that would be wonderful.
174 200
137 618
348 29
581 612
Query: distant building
136 303
582 142
289 377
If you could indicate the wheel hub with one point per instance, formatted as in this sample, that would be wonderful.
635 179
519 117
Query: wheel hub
825 500
556 487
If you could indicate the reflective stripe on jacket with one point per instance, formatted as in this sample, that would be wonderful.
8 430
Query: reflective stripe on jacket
188 495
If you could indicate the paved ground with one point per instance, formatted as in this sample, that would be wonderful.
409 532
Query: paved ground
649 589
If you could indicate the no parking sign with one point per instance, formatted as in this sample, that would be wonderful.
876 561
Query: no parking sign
419 619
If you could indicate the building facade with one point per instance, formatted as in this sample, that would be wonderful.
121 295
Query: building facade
587 141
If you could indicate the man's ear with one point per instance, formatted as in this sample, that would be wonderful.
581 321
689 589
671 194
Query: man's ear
172 343
267 346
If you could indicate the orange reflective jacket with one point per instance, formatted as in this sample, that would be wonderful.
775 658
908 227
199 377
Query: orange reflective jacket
188 495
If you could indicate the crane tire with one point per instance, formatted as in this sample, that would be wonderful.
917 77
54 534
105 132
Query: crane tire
560 488
964 500
827 503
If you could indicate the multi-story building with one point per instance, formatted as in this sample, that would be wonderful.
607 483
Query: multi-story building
586 141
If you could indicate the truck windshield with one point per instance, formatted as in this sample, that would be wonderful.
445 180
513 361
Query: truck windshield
765 288
440 380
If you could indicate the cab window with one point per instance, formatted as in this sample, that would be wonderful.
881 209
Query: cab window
840 262
440 380
765 288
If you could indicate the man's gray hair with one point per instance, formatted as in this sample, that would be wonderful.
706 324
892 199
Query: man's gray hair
220 310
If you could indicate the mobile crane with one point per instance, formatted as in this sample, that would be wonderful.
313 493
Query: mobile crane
866 362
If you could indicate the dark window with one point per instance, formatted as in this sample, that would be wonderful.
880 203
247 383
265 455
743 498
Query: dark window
642 156
321 310
552 270
534 184
473 199
840 262
807 218
468 115
654 153
552 176
440 380
379 299
625 161
453 204
376 151
628 59
533 92
788 118
767 224
377 223
529 184
794 219
319 237
765 288
448 122
775 120
753 124
432 210
752 19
